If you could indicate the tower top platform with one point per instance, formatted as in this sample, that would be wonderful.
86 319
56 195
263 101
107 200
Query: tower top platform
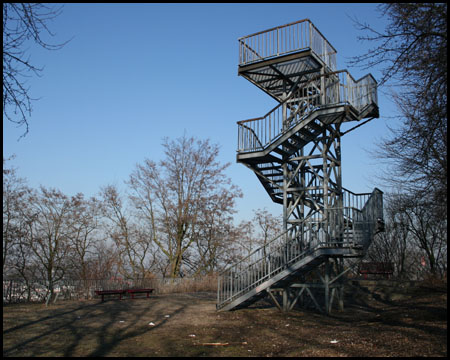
284 56
296 56
286 39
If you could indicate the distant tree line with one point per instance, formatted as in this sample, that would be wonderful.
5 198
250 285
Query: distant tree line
175 219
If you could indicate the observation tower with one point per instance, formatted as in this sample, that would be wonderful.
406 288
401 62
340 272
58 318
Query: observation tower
295 152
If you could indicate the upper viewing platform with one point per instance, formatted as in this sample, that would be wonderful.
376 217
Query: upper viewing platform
287 39
283 55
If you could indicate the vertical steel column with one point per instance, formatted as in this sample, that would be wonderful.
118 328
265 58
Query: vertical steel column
322 86
339 204
326 284
301 205
326 182
286 296
285 173
340 263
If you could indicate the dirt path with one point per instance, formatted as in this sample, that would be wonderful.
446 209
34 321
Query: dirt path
188 325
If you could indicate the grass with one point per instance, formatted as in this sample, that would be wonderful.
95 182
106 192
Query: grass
184 324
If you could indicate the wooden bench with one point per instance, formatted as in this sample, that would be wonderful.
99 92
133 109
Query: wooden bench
110 292
376 268
139 291
123 292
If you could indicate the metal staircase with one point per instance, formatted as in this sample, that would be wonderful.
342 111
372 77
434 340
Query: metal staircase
279 262
294 150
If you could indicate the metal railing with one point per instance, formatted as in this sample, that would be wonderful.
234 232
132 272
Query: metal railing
285 39
360 213
17 290
358 93
338 88
35 289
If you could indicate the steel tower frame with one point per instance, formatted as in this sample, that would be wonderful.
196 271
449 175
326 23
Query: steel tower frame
295 152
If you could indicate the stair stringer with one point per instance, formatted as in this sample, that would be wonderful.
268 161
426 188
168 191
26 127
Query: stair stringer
315 258
324 115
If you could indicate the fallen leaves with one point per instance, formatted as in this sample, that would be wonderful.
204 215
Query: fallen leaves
222 344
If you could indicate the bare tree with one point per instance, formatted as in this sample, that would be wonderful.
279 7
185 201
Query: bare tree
247 241
413 28
48 218
258 232
19 260
428 231
214 234
14 195
132 240
23 23
395 244
104 262
414 239
268 226
412 53
177 191
84 223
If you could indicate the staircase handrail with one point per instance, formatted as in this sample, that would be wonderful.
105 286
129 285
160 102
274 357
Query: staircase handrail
272 272
362 220
374 202
343 89
254 251
290 228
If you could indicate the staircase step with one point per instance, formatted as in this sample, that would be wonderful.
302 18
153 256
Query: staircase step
298 140
281 152
273 175
315 127
274 167
307 135
290 145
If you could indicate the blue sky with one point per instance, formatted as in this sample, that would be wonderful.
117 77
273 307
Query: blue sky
135 73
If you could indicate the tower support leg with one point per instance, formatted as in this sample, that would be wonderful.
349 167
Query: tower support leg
326 284
286 299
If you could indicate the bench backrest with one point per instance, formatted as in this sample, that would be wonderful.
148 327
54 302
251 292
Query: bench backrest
374 267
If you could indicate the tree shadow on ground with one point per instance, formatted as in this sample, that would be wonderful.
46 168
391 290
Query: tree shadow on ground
102 325
109 336
366 309
58 320
58 313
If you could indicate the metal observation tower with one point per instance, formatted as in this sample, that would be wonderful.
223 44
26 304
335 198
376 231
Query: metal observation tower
295 152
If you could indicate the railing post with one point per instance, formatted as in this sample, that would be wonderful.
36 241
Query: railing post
278 43
231 284
10 290
239 57
218 289
322 85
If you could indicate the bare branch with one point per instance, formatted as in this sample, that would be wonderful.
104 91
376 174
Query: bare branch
22 23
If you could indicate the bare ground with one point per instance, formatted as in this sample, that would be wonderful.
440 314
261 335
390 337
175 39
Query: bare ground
187 324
